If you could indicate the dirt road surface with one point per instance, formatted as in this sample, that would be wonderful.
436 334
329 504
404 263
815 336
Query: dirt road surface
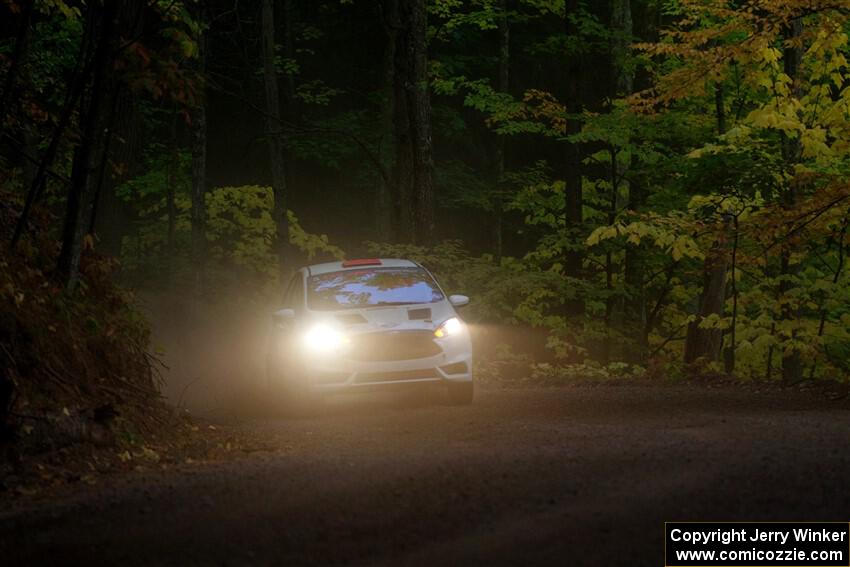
561 476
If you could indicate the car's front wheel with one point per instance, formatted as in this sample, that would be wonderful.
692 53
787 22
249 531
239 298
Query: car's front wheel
460 393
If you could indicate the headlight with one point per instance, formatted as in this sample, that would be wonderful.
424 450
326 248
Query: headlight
323 338
450 328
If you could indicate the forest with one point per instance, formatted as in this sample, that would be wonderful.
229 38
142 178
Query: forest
656 188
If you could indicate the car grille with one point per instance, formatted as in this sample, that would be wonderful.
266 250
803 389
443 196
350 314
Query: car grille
397 345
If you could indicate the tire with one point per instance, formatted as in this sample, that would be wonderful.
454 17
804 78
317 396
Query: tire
460 393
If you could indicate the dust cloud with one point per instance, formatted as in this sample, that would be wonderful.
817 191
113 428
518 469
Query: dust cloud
213 354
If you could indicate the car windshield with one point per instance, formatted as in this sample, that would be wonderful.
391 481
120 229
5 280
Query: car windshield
351 289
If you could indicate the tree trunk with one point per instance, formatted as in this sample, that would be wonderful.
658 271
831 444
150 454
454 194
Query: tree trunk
792 366
103 177
413 189
621 85
289 111
402 174
91 149
636 309
111 215
29 140
839 270
85 63
199 164
384 195
274 135
720 108
419 108
170 194
30 145
573 194
633 275
17 61
614 304
622 26
732 343
706 343
504 69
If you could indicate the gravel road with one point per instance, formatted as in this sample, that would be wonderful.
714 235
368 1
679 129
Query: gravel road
566 476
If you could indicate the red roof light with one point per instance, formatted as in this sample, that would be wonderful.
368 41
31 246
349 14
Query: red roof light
361 262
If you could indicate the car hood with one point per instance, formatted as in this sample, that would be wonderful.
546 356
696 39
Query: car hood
424 316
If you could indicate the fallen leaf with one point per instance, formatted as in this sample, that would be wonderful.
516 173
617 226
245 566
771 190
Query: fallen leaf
150 454
26 491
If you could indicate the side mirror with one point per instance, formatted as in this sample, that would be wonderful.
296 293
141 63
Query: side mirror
458 300
283 316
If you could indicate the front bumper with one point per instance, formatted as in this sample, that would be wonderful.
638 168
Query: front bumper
373 360
330 375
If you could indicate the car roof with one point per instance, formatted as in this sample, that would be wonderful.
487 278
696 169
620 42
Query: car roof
327 267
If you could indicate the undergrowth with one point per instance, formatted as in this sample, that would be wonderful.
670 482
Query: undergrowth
72 368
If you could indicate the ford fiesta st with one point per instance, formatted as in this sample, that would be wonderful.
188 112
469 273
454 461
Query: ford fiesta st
369 323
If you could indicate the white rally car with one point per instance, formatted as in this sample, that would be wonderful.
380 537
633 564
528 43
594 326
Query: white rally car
369 323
